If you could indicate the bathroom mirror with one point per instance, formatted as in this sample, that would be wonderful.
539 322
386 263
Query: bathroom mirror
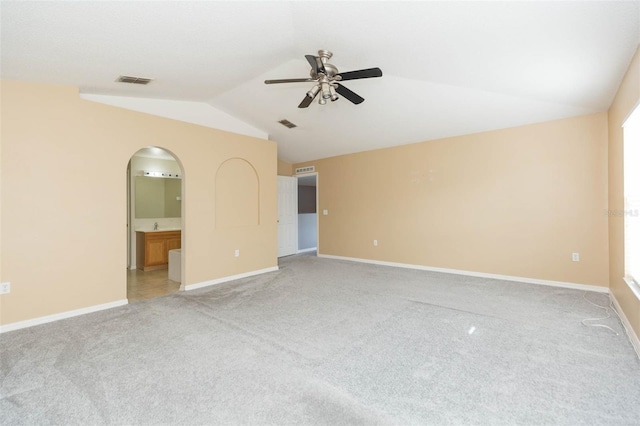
158 197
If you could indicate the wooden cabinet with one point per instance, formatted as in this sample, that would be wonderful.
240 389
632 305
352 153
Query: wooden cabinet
152 248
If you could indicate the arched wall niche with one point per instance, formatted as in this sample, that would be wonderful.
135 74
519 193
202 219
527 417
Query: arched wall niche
237 194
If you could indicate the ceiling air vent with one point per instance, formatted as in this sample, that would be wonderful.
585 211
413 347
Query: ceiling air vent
308 169
133 80
287 123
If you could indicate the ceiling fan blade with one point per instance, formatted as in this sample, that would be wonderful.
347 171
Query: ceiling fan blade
348 94
316 64
307 101
289 80
366 73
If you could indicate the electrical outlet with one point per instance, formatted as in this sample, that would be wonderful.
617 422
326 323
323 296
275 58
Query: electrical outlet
5 288
237 253
325 212
375 243
575 257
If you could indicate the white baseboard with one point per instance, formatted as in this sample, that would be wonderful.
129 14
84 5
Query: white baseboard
633 337
307 250
574 286
230 278
63 315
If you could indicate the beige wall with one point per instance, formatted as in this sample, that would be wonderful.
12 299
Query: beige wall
514 202
284 168
627 98
63 215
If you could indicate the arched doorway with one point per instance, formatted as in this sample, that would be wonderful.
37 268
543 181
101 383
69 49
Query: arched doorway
155 182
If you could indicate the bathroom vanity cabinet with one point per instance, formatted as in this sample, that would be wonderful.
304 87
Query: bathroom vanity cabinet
152 248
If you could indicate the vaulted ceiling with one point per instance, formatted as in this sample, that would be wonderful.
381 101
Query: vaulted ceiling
450 68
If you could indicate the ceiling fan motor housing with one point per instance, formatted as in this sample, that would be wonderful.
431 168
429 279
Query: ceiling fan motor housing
330 70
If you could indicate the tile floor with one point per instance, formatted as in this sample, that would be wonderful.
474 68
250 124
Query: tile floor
146 285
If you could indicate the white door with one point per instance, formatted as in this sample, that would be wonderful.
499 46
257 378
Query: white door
287 216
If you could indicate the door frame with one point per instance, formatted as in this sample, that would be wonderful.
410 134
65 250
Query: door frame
293 213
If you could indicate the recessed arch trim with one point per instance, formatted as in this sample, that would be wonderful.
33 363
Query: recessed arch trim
237 194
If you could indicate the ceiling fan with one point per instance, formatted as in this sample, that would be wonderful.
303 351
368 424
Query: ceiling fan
327 77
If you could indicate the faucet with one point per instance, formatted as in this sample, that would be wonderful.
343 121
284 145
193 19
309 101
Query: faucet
155 226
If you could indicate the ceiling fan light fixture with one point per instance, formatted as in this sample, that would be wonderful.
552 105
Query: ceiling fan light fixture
326 92
322 100
334 95
314 91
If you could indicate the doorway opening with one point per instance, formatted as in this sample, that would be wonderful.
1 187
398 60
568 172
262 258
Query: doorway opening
155 234
308 214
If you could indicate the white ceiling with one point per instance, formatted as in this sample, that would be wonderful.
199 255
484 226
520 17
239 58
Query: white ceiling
450 68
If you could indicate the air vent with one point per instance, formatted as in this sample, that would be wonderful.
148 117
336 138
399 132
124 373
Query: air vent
133 80
287 123
308 169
